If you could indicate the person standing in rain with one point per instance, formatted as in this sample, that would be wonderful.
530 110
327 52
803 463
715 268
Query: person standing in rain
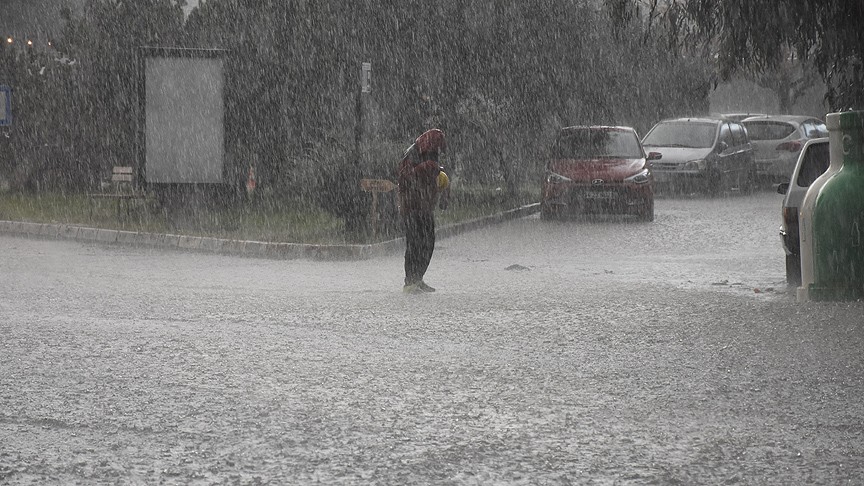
420 178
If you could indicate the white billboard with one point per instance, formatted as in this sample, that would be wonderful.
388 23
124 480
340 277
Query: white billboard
184 116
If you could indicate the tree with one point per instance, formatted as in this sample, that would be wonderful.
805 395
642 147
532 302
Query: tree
756 36
42 149
789 79
102 41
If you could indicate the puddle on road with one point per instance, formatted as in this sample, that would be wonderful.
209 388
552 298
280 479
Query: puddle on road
757 290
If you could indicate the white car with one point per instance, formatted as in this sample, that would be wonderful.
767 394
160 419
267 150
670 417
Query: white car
812 162
737 116
777 141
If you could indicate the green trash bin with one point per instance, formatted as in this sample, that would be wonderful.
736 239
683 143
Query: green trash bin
805 213
838 221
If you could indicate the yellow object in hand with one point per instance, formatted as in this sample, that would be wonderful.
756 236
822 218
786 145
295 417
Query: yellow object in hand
443 181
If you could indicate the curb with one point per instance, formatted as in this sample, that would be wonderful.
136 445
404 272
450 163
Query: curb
258 249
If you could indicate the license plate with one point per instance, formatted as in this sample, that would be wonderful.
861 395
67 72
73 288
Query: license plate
598 195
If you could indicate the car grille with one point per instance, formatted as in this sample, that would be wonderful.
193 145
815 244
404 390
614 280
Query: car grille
665 166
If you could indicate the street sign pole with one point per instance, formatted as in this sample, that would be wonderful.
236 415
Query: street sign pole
363 93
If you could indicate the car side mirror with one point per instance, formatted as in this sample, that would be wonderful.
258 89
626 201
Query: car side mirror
721 147
654 156
783 188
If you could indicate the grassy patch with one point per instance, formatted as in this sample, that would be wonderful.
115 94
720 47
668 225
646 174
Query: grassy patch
467 203
262 219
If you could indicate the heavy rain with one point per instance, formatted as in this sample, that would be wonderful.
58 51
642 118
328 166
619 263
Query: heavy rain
291 242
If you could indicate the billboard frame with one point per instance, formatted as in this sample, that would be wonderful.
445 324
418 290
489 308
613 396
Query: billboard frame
142 54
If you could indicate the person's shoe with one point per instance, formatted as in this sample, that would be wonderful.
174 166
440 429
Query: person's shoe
424 287
412 288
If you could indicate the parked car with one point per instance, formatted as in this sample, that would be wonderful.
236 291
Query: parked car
702 155
812 162
598 169
777 141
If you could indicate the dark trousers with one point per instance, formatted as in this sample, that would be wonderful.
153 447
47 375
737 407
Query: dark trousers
419 244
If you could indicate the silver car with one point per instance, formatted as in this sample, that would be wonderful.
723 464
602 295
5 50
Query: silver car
777 141
710 155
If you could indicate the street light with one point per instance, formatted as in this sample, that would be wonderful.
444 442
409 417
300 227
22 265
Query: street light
31 51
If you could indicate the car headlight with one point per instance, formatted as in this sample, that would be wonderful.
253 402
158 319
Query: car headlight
554 178
640 178
695 165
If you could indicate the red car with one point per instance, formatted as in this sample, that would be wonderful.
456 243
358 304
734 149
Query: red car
598 169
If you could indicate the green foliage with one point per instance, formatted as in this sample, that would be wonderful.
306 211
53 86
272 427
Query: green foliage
312 176
103 41
39 149
483 123
759 36
266 218
472 201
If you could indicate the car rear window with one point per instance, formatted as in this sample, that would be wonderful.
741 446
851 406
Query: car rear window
681 134
592 144
814 129
768 130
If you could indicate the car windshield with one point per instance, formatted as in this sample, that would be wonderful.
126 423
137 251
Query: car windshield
768 130
681 134
592 144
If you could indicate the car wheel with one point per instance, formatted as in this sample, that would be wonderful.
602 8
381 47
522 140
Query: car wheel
748 185
714 183
793 270
646 211
546 213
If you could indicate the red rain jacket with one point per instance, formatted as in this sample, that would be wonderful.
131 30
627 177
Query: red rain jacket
418 173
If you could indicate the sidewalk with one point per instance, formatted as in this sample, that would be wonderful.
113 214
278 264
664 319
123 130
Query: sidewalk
259 249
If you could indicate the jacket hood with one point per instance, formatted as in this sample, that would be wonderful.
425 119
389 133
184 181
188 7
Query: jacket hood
431 141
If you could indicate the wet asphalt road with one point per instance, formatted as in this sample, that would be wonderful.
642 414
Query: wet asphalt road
575 352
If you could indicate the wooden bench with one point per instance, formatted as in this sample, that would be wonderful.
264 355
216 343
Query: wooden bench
120 189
